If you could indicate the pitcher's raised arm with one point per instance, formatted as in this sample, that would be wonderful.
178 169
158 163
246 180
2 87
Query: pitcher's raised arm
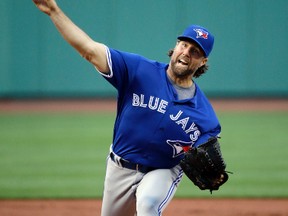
91 50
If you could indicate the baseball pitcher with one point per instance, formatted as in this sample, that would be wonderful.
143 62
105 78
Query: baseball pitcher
165 126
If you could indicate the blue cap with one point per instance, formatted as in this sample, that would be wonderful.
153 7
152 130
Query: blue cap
201 36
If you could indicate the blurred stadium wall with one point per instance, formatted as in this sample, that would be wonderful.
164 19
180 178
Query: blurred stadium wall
249 57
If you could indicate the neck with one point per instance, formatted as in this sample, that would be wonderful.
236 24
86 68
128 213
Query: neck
182 81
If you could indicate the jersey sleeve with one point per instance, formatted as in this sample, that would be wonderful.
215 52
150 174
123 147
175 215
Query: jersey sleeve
206 136
123 67
210 125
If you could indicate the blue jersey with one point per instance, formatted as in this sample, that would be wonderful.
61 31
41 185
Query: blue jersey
152 126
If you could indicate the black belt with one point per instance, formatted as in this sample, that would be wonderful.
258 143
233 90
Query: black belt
132 166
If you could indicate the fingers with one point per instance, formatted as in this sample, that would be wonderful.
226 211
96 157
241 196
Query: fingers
46 6
38 2
219 181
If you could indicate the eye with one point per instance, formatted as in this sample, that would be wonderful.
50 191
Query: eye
184 44
195 52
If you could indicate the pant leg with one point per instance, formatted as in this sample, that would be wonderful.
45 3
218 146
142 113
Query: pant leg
156 190
119 190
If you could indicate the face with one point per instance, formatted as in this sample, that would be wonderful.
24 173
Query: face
187 57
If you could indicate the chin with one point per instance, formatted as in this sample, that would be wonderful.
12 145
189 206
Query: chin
182 73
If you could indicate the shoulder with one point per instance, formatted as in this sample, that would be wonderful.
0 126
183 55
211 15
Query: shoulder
202 103
133 58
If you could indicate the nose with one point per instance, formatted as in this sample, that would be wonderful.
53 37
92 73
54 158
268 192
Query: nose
186 52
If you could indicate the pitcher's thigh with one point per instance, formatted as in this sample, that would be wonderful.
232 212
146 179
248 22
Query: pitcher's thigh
156 190
119 191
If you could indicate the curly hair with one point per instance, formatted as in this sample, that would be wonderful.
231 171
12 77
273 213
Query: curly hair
201 70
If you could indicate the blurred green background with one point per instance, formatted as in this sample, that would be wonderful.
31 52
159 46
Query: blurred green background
63 155
249 56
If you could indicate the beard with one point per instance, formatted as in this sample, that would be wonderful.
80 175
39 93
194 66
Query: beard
180 71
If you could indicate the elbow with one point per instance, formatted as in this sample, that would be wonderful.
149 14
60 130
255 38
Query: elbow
95 53
87 53
87 56
96 60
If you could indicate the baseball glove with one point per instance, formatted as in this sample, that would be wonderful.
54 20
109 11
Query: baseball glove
205 166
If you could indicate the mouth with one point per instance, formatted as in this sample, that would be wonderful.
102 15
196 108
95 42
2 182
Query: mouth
183 62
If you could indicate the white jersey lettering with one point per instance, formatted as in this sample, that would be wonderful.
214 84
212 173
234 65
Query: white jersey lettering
135 100
152 103
193 130
142 104
183 122
174 118
195 135
162 106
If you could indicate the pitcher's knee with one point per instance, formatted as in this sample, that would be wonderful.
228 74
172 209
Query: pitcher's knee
147 207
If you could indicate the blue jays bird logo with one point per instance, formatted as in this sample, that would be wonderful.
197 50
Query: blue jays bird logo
179 146
201 33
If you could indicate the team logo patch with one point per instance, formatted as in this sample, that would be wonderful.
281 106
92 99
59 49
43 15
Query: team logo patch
178 145
201 33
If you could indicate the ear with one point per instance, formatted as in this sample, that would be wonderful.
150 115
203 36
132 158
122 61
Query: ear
203 62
